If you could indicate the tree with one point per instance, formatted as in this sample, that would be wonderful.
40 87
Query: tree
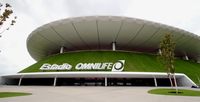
6 19
167 47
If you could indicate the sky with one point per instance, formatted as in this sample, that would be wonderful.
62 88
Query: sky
184 14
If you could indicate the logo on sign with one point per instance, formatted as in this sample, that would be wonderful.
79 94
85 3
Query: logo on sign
115 67
118 66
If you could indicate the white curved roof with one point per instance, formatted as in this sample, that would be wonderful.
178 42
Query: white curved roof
98 33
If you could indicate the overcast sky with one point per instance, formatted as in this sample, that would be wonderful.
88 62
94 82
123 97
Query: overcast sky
184 14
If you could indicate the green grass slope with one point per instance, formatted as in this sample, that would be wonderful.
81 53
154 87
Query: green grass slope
136 62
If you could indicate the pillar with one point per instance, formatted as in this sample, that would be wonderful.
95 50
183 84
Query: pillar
55 80
113 46
105 81
159 51
62 49
186 57
20 80
155 81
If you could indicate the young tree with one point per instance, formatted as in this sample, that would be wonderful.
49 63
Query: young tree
167 47
6 18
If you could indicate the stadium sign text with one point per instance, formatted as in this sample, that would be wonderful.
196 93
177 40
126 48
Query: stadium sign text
116 67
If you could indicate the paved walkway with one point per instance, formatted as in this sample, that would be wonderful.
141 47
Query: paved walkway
90 94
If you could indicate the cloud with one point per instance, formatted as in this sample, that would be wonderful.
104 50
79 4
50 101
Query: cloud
31 14
96 7
5 66
178 13
13 45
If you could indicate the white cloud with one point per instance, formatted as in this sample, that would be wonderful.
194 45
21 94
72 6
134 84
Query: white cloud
96 7
179 13
13 44
31 14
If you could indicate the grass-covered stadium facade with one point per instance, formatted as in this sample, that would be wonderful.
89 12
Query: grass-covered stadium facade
108 51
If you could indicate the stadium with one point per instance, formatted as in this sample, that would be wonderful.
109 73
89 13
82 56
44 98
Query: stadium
106 51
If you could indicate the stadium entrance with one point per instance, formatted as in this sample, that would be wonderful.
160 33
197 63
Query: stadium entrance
90 82
94 79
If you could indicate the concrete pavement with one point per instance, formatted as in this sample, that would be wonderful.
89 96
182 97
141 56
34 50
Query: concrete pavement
90 94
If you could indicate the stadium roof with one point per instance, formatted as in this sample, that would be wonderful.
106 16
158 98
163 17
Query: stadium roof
98 33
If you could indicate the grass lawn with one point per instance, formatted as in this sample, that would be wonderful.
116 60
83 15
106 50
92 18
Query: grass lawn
134 62
181 92
12 94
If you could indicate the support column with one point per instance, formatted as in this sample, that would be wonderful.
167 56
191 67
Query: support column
159 51
55 80
20 80
186 57
113 46
105 81
155 81
62 49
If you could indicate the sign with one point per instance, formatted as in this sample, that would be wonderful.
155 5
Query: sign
118 66
115 67
64 66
